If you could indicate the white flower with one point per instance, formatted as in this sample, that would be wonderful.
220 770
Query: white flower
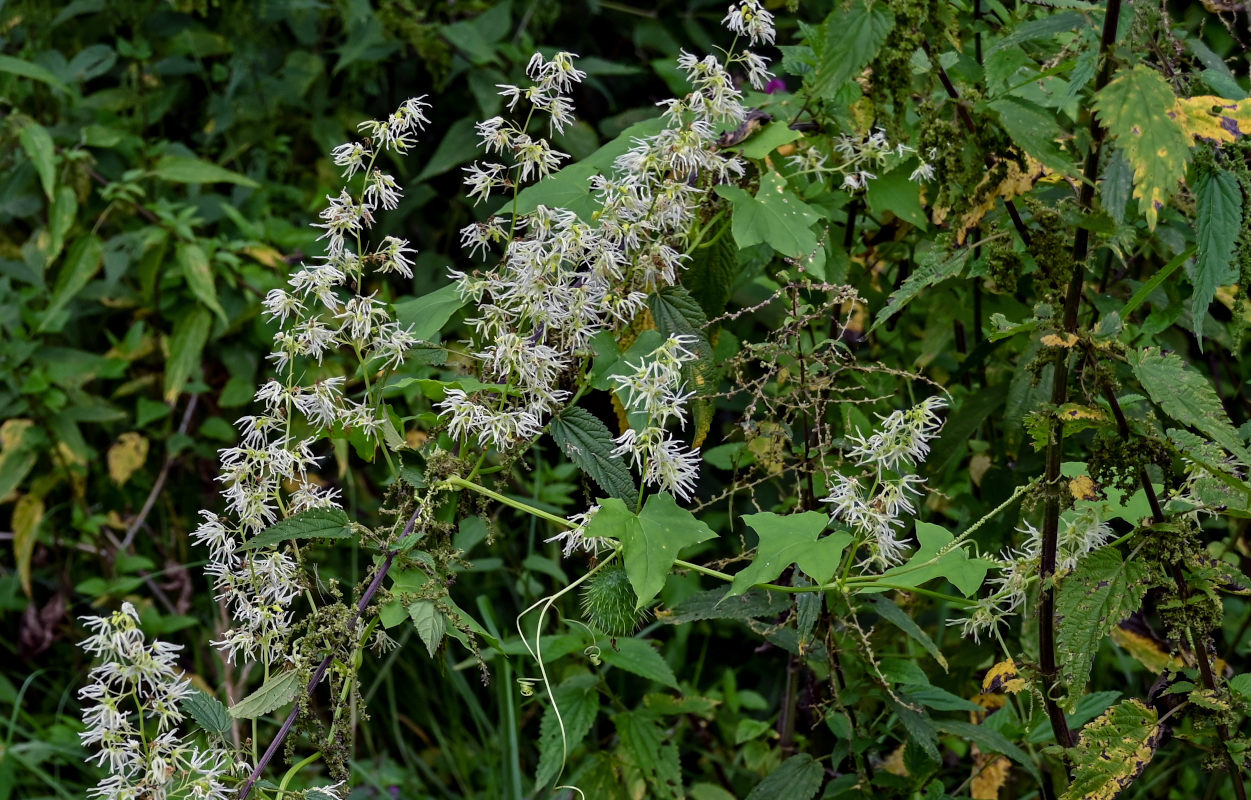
748 18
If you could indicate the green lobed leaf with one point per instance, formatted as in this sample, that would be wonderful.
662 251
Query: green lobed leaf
194 264
1186 396
577 698
646 746
637 656
1218 221
651 540
1113 751
315 523
926 564
791 539
1100 592
186 345
797 778
589 444
187 169
37 143
1136 108
209 713
850 39
275 693
775 216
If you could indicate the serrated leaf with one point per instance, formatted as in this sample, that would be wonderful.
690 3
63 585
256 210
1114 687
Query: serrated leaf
677 313
1186 396
850 39
209 713
577 699
194 264
1035 131
791 539
186 345
797 778
429 622
589 444
712 271
775 216
935 267
1135 109
920 728
1216 119
187 169
1100 592
315 523
1218 221
646 746
640 658
650 541
718 604
275 693
1113 751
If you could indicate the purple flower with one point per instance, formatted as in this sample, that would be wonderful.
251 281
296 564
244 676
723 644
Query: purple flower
775 85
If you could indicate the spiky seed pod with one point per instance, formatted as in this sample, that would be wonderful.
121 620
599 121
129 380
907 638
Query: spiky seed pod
608 602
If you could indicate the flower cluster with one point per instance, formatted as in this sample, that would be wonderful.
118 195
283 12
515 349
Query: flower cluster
134 715
656 391
323 310
561 279
874 511
1081 530
861 159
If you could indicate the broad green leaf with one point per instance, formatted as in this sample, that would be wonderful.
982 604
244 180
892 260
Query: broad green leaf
770 138
775 216
209 713
577 699
1035 131
646 746
82 262
186 345
275 693
639 657
315 523
791 539
426 315
892 613
1100 592
589 444
429 622
990 740
37 143
954 563
1186 396
186 169
1135 109
459 146
1113 751
1218 221
850 39
798 778
651 541
934 267
195 268
894 192
26 69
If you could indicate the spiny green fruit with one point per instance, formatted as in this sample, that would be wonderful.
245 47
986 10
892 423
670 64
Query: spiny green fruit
608 602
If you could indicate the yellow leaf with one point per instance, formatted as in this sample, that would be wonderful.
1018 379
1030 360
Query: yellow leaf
1213 118
990 773
1083 488
126 456
1060 340
266 255
27 515
978 465
13 431
1145 649
894 763
1003 677
1018 182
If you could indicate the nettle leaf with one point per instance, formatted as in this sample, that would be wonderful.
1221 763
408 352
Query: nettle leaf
850 39
1187 397
275 693
577 699
589 444
934 267
209 713
1216 119
647 747
1113 751
1218 221
677 313
650 541
1035 131
315 523
429 622
1135 108
775 216
719 604
640 658
798 778
791 539
954 564
1101 592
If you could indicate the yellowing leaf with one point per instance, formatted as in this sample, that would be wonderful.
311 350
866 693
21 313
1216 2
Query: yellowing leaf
1113 751
1136 110
1083 488
989 776
126 456
1212 118
265 255
1059 340
894 763
1018 182
27 515
1003 677
1145 649
12 432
